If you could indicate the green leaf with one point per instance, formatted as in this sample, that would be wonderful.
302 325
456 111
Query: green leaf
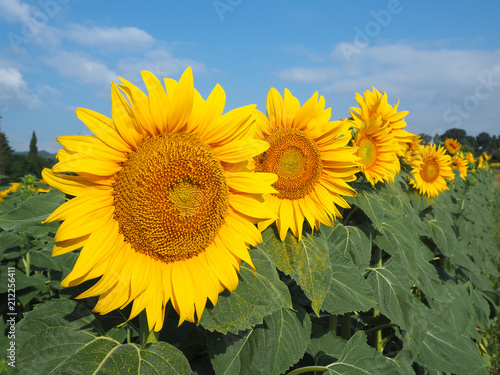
359 358
391 289
395 238
28 216
62 337
352 242
306 261
11 245
270 348
447 351
349 290
326 348
256 296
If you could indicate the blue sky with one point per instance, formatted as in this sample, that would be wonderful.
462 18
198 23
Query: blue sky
441 60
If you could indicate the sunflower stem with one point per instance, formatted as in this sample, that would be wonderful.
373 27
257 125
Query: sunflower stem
377 335
353 210
346 326
333 324
145 335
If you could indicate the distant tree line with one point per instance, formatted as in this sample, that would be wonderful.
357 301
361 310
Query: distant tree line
14 165
483 142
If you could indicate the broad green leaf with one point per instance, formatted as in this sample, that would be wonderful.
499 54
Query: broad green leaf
359 358
256 296
428 280
395 238
349 290
454 305
11 244
391 289
270 348
326 349
27 217
352 242
62 337
447 351
306 261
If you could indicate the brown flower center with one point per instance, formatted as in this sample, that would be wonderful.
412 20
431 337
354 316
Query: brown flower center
171 197
295 158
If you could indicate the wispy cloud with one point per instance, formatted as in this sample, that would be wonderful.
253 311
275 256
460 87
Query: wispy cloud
111 38
14 91
80 67
14 10
445 87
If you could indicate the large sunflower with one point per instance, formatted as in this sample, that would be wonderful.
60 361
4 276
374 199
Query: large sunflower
310 157
432 173
164 203
373 105
377 149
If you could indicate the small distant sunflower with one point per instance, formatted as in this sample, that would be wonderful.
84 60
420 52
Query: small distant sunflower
164 203
480 162
412 155
377 150
458 162
374 104
486 157
452 145
470 157
308 153
432 173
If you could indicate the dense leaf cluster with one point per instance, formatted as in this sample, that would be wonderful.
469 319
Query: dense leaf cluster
401 285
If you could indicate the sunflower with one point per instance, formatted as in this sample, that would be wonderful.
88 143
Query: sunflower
412 155
310 157
459 163
374 104
470 157
164 203
432 173
452 145
377 150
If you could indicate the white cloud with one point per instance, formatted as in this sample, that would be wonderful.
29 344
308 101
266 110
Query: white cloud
14 10
81 68
14 92
159 62
442 88
111 38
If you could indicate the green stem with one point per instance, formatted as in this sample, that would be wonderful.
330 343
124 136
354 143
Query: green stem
378 333
303 370
346 326
346 220
146 336
333 324
26 262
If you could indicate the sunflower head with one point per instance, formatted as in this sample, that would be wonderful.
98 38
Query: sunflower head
459 163
470 157
377 150
164 202
309 154
452 145
431 175
374 105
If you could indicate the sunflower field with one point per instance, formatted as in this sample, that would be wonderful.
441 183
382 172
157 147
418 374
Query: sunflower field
181 240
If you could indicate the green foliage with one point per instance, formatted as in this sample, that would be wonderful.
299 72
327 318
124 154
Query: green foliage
402 285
